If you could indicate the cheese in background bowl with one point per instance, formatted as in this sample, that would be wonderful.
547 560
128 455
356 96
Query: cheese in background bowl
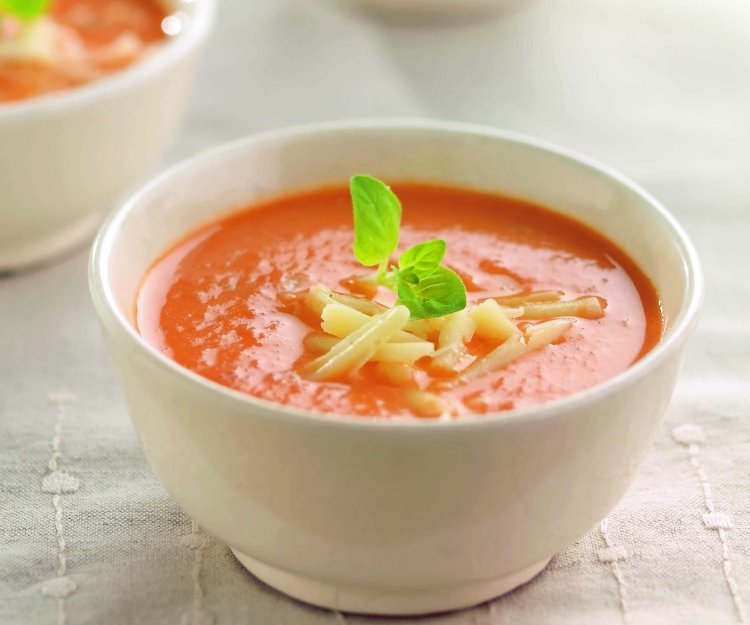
90 97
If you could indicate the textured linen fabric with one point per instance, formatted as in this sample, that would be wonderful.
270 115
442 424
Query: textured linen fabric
657 88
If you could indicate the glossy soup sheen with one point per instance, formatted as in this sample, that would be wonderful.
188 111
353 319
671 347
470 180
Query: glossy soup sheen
96 25
211 303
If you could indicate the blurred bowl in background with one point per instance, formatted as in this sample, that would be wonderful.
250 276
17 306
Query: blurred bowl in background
66 157
430 9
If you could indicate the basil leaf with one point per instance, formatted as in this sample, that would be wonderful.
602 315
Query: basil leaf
440 293
377 220
423 258
24 9
426 288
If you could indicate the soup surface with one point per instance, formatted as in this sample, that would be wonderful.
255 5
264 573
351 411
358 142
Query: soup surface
76 42
216 303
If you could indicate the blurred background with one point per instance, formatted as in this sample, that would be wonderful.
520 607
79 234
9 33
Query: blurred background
659 89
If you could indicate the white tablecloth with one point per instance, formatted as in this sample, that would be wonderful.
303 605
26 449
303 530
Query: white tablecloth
657 88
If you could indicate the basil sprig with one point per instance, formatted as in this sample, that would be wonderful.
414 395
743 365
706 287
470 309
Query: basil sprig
26 10
423 285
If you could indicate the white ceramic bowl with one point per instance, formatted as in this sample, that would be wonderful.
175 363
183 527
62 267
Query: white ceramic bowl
376 516
66 157
432 8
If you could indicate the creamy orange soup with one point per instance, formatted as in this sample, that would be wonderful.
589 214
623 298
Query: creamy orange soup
76 42
218 302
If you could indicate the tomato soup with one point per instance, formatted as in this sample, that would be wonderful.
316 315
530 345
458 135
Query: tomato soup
218 303
75 42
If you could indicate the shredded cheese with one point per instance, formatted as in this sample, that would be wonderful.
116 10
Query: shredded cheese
340 320
457 330
513 348
425 404
395 373
357 331
493 324
39 40
319 343
352 352
520 299
589 307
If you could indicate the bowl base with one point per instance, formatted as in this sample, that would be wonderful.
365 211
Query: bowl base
393 601
17 256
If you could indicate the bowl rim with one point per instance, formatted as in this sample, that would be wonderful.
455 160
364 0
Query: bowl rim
109 312
166 54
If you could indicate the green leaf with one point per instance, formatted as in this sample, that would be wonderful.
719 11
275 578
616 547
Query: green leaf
377 220
423 258
426 288
440 293
24 9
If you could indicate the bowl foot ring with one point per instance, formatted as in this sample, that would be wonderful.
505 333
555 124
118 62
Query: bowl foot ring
360 599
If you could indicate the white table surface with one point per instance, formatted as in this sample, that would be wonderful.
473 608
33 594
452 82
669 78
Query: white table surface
657 88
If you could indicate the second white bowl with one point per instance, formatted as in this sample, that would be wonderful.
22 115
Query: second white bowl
444 9
68 156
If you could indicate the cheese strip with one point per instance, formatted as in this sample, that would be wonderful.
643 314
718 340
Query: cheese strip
419 327
492 322
457 330
352 352
341 320
424 404
521 299
357 302
536 337
39 40
589 307
317 298
542 334
395 373
512 313
500 357
405 353
319 343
